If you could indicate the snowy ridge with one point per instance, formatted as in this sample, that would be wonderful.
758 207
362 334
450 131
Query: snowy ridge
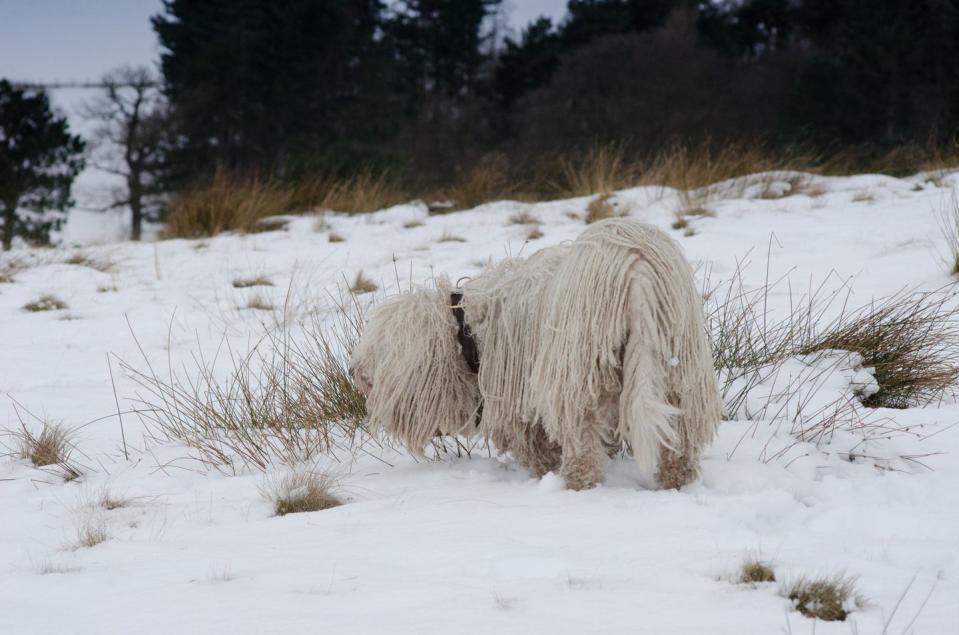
477 545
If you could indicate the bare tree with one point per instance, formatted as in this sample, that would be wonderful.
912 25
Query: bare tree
130 139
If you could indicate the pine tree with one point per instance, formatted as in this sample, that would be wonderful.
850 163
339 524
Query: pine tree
277 85
39 159
442 43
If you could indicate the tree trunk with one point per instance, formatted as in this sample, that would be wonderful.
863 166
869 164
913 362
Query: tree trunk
9 220
136 205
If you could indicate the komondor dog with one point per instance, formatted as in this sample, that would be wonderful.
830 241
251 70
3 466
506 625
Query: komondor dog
561 359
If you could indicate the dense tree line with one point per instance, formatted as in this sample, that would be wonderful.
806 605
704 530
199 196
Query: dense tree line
429 89
430 85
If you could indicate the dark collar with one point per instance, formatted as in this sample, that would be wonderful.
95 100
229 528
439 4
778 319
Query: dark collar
464 335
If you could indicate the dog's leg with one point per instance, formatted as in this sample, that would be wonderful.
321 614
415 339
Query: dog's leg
584 457
536 451
676 468
585 449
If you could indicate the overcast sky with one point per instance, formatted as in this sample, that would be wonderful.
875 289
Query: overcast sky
50 40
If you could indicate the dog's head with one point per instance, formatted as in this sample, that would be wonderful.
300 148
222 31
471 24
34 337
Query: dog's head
410 366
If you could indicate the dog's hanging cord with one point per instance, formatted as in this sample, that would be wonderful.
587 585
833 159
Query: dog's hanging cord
464 335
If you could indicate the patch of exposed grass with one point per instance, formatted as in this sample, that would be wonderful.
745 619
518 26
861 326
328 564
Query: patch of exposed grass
107 500
48 567
301 491
756 572
948 220
264 225
99 263
225 203
600 169
53 447
333 237
910 340
286 402
411 224
259 302
362 284
523 217
447 237
680 223
46 302
827 599
91 531
534 233
488 180
599 208
258 281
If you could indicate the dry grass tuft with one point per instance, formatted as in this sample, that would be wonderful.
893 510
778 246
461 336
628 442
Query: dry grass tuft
948 220
534 234
259 302
270 224
362 284
45 302
91 531
910 339
52 448
333 237
601 169
109 502
827 599
447 237
285 402
360 194
756 572
48 567
301 491
523 217
411 224
258 281
486 181
99 263
225 203
599 208
680 223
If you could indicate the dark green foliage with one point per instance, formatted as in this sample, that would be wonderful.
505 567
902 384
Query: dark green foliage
442 43
39 159
277 84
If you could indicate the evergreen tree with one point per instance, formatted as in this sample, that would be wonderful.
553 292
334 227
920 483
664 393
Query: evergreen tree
39 159
530 62
442 43
277 84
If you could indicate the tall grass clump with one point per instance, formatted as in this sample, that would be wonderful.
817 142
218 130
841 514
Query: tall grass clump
51 449
285 402
225 202
602 168
948 219
910 339
486 181
828 599
301 491
364 192
755 571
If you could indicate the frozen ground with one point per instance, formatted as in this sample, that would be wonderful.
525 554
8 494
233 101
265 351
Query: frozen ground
467 545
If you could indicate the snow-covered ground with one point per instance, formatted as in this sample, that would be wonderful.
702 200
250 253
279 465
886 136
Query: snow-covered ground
467 545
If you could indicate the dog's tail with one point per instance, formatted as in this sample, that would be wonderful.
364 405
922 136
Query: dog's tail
647 419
